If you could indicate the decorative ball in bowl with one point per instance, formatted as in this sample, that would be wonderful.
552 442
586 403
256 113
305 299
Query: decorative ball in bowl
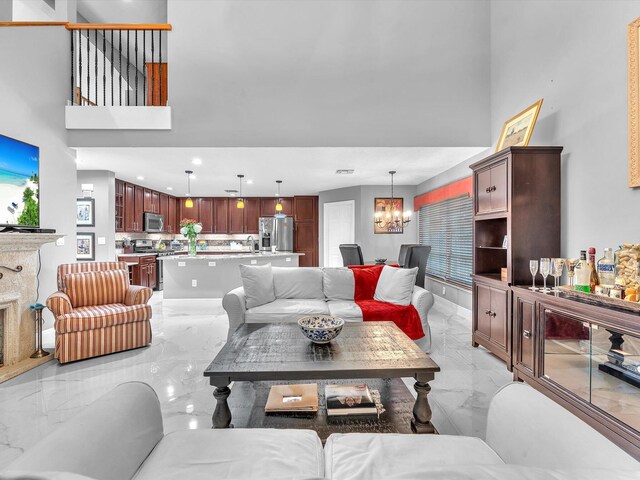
321 329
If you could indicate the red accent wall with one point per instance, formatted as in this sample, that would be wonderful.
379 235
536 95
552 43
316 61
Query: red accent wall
454 189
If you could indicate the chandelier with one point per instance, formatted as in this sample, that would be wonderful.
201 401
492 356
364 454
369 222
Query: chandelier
395 218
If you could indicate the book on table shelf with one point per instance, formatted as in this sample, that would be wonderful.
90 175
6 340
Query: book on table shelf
293 398
349 399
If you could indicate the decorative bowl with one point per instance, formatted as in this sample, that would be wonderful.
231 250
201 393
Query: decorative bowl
321 329
380 261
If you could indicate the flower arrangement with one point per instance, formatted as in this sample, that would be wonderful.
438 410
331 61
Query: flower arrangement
190 229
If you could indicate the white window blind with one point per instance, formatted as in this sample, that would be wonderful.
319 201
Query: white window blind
448 227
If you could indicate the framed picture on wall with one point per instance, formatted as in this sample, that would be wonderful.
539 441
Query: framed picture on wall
386 210
85 246
517 131
85 212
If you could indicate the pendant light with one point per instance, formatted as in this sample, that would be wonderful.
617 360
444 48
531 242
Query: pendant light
188 203
395 219
240 202
279 201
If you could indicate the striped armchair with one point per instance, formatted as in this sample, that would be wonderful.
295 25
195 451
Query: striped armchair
97 312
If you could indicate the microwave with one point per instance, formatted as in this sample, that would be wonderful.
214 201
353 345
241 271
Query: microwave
153 223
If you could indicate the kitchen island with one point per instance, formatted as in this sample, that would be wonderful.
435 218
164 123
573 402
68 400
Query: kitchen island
212 276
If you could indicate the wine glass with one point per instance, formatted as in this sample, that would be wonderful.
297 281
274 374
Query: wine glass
545 267
533 268
557 266
571 269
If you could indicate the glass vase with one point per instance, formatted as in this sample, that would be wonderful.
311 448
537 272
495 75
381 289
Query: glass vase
192 246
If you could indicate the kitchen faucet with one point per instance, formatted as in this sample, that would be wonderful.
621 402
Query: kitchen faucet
251 241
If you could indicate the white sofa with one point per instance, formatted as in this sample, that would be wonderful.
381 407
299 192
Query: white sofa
301 291
120 437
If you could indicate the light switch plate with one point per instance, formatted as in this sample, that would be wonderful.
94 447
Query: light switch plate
254 262
60 242
288 259
212 264
102 241
194 283
182 264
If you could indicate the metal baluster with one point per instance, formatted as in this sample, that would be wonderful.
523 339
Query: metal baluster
153 102
88 66
80 66
104 68
136 31
144 63
112 60
160 65
72 67
120 65
128 65
95 44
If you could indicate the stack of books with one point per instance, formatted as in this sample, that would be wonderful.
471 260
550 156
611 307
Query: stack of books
298 398
349 399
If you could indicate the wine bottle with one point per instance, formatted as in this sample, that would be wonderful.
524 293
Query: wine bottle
593 274
582 273
606 269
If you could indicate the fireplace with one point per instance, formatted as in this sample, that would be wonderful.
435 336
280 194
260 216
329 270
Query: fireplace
9 324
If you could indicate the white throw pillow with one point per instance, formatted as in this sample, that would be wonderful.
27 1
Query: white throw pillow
338 283
257 281
297 282
395 285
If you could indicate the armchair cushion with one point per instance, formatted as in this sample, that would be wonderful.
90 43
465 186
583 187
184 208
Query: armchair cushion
101 316
59 303
96 288
137 295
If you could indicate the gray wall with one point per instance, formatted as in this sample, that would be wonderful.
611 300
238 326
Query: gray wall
574 54
373 246
34 85
103 193
322 73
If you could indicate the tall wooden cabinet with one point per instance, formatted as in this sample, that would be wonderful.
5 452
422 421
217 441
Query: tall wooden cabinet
305 213
517 196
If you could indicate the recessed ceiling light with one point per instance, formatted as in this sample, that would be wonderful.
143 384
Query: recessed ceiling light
140 177
196 161
249 182
169 188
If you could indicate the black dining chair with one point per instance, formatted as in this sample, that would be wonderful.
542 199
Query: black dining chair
351 254
404 248
417 256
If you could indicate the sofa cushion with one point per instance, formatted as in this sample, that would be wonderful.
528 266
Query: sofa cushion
395 285
96 288
348 311
241 453
91 318
257 281
395 456
338 283
286 310
301 282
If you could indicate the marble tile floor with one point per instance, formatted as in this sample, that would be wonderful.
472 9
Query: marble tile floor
187 335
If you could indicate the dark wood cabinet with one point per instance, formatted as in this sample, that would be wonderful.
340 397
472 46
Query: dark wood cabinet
524 314
220 215
151 201
516 219
251 215
268 206
143 271
205 214
164 210
148 207
189 212
129 207
119 205
138 219
236 218
172 216
305 212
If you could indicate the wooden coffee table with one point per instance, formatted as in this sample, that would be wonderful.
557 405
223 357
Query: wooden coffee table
279 352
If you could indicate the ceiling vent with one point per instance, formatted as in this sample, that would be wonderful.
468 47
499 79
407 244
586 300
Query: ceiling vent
346 171
233 193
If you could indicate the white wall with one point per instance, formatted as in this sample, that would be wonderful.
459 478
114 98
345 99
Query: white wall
33 89
574 54
373 246
104 188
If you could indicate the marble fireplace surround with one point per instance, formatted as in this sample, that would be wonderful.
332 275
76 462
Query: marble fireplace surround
17 293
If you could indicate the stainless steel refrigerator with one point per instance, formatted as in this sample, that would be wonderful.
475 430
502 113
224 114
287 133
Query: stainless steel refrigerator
278 232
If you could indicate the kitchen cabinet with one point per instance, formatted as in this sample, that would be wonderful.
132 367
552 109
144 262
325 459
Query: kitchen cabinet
151 201
251 215
138 219
119 204
172 220
305 213
192 213
491 326
268 206
143 270
221 215
129 207
236 218
205 214
164 210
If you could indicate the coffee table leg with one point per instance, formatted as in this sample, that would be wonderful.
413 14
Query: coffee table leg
221 415
421 422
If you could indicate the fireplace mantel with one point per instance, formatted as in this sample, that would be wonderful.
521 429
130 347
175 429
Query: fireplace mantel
19 242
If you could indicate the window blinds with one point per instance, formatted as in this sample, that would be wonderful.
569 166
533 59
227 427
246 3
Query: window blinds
448 227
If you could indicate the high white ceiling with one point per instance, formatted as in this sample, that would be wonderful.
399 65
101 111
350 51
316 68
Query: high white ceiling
302 170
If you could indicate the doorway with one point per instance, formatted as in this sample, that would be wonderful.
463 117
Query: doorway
339 227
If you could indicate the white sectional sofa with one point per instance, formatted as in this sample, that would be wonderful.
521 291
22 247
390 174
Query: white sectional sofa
301 291
120 437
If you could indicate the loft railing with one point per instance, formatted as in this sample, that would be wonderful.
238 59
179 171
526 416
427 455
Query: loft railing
118 64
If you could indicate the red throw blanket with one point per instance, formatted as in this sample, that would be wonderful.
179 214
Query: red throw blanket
405 317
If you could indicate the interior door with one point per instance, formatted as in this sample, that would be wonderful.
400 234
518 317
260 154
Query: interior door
339 227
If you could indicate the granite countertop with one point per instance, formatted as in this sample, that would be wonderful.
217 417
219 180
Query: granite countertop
149 254
232 256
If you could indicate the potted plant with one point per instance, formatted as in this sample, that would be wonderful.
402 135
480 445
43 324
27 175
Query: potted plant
190 229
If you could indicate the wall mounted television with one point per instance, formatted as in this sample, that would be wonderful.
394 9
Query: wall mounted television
19 180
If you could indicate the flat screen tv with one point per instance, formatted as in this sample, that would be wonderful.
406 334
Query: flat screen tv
19 202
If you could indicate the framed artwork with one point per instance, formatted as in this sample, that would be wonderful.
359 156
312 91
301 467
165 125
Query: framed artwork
633 34
385 208
516 131
85 246
85 212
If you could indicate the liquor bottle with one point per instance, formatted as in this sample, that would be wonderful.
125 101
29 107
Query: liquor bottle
593 275
606 269
582 273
